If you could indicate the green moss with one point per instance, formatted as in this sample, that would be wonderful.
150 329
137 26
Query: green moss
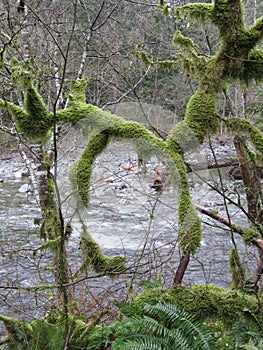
77 94
133 131
151 296
182 41
232 59
196 12
237 270
76 113
206 302
227 16
143 139
257 29
51 244
145 142
188 57
253 67
181 138
18 330
248 234
242 126
51 226
201 114
83 167
94 257
190 232
34 122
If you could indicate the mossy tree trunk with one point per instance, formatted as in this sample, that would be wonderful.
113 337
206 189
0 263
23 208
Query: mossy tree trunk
237 59
37 124
253 192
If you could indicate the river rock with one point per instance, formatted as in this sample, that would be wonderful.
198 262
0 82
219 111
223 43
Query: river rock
24 188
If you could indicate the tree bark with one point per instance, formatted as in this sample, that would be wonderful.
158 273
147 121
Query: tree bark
252 185
251 181
183 264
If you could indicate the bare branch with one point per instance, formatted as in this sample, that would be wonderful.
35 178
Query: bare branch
258 242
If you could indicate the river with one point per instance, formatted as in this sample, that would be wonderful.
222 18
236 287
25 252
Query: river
125 216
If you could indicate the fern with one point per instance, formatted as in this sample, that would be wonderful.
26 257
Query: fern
163 327
183 321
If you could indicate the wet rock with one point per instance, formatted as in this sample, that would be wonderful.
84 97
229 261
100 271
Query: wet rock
25 188
19 174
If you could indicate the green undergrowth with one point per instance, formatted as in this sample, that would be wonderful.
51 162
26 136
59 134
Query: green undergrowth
232 317
206 302
52 333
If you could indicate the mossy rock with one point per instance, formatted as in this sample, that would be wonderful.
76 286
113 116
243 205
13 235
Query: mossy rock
206 302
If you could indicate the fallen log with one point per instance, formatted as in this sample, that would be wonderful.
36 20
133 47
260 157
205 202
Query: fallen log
211 164
161 178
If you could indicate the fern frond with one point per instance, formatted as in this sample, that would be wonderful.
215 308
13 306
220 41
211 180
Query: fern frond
183 321
164 327
143 342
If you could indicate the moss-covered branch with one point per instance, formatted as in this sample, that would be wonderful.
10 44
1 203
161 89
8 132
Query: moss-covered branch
19 332
237 59
190 232
242 126
257 29
249 235
195 12
34 121
101 263
83 167
227 15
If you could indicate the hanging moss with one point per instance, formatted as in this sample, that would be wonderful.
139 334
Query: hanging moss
195 12
183 42
237 270
94 257
83 168
51 244
190 232
187 56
